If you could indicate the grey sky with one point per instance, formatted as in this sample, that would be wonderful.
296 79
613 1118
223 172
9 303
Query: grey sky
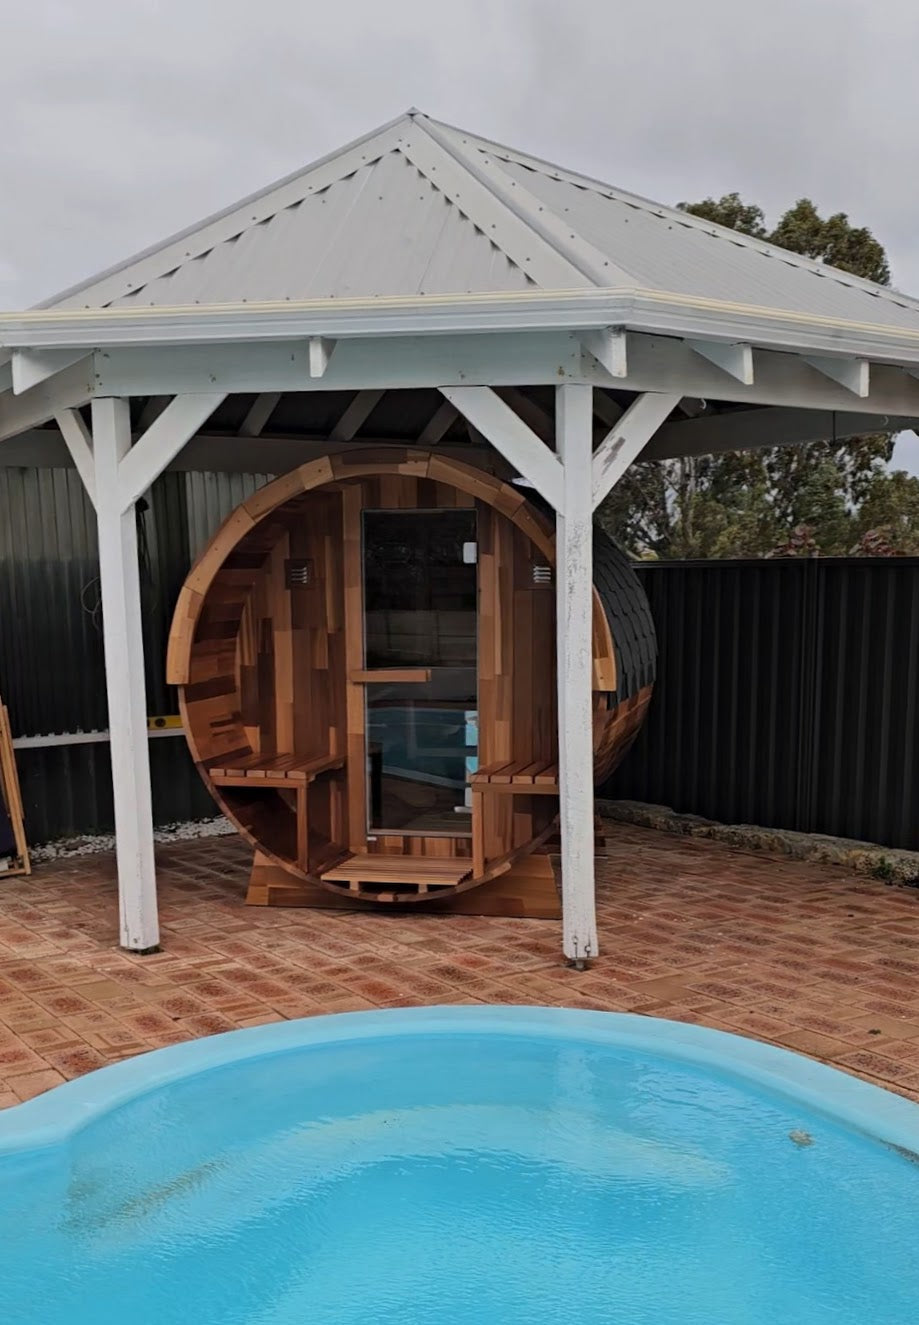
128 119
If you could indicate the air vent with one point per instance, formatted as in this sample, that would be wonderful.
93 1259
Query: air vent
299 573
542 575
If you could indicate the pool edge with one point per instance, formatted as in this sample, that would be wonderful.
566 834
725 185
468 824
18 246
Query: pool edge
53 1118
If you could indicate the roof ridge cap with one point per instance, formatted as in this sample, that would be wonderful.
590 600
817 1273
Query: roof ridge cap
664 210
576 252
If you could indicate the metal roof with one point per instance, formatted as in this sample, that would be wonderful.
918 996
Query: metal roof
420 208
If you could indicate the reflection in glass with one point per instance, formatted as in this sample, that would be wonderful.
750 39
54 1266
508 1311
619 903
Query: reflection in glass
420 591
421 739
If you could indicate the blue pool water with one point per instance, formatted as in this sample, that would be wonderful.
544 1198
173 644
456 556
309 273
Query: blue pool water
461 1165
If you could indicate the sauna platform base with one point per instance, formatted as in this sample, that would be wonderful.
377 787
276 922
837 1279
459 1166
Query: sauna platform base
528 891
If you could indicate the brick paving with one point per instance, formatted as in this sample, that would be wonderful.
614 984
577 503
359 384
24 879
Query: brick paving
803 955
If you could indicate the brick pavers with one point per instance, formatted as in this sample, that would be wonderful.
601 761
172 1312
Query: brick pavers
803 955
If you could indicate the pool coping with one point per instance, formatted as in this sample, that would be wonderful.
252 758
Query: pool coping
53 1118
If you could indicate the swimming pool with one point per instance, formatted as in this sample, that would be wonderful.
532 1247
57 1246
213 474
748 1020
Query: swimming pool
506 1165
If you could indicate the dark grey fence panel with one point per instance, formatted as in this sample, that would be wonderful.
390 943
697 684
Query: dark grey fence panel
787 696
51 655
788 691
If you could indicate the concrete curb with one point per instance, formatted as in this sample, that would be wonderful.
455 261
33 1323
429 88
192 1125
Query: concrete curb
885 863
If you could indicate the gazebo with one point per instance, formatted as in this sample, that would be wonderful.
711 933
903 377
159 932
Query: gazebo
424 288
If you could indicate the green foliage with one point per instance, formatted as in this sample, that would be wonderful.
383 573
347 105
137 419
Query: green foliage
730 211
832 498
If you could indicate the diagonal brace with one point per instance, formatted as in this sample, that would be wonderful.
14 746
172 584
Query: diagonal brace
507 433
162 442
627 439
80 445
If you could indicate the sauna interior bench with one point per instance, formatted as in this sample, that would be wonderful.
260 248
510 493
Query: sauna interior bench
279 770
517 779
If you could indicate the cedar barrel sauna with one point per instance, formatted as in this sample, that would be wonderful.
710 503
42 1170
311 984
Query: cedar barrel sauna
365 661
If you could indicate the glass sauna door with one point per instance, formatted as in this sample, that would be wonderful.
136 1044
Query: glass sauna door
420 583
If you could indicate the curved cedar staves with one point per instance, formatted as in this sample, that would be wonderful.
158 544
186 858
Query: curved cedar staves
267 650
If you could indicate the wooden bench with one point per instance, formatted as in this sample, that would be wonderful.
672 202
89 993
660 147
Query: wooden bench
539 778
512 778
284 772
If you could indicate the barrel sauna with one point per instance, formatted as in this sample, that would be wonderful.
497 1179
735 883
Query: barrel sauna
365 662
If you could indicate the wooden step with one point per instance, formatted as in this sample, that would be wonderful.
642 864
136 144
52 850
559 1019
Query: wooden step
528 889
422 872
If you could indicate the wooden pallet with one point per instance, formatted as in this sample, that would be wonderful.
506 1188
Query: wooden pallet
12 799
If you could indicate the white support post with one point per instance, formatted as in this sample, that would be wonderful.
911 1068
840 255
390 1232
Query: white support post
124 679
574 657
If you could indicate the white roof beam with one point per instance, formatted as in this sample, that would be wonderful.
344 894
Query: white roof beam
532 414
79 441
397 362
261 410
151 412
609 346
575 310
734 359
750 429
498 424
606 409
853 374
625 442
656 363
321 350
69 388
30 368
356 415
438 425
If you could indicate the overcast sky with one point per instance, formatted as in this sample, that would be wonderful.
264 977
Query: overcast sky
125 120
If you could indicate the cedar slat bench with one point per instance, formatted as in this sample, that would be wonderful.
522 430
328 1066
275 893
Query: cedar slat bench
539 778
515 778
283 772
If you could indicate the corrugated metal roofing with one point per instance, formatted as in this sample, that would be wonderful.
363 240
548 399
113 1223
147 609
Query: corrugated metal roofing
420 208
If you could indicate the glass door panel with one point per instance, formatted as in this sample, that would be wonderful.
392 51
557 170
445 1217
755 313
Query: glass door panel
420 596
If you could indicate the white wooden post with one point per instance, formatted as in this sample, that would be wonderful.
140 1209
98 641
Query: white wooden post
574 598
124 679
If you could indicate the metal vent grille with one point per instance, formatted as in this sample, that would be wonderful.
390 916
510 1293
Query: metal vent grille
543 575
299 573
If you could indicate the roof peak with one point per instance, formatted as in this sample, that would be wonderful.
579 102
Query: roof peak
354 223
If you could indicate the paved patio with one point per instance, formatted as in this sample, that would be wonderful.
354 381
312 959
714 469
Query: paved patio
805 956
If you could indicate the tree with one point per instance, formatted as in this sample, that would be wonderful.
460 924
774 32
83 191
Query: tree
749 503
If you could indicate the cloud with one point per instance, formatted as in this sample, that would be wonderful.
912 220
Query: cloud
125 122
906 453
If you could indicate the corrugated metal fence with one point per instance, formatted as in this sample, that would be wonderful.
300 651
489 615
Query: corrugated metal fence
787 696
51 661
788 691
